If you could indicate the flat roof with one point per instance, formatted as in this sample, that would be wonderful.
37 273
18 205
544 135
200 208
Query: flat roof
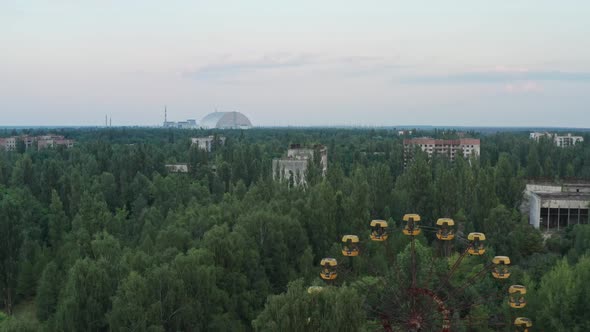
564 196
564 182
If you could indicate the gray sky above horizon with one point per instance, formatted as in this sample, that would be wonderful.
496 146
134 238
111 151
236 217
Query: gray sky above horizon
347 62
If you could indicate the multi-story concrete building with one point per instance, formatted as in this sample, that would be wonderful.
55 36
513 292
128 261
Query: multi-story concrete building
554 206
45 141
567 140
206 143
561 141
467 147
50 141
8 143
537 135
296 163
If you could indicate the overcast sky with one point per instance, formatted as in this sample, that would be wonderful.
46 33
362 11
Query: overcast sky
305 62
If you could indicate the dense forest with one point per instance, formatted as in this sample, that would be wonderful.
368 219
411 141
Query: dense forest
100 237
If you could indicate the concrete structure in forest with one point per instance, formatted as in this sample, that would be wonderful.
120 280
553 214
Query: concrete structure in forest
561 141
8 143
467 147
177 168
42 142
554 206
50 141
295 165
206 143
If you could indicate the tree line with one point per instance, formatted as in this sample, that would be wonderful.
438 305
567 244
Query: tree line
101 237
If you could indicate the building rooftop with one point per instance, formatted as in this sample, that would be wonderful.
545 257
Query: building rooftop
564 182
571 196
429 140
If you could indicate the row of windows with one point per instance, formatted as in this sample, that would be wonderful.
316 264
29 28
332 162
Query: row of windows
445 146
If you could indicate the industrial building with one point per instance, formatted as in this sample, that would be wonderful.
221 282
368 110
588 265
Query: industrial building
467 147
206 143
188 124
561 141
554 206
226 120
295 164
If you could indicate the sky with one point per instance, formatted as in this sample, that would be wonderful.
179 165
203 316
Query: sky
296 63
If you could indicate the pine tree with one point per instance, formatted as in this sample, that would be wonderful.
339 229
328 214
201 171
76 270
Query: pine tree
48 291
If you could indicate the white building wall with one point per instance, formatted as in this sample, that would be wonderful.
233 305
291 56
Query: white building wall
535 211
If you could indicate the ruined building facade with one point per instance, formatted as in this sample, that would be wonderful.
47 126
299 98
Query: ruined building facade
295 165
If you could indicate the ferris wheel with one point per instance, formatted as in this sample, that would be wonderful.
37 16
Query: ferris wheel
414 297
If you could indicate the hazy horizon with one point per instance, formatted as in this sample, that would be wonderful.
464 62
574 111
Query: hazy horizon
334 63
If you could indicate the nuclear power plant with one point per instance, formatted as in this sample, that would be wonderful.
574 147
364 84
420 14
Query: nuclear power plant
215 120
225 120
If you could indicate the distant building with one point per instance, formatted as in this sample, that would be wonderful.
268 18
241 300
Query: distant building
295 151
29 141
467 147
296 163
43 142
561 141
8 144
404 132
188 124
226 120
206 143
177 168
537 135
567 140
49 141
555 206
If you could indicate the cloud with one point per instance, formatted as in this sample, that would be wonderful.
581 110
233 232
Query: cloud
230 67
523 87
500 75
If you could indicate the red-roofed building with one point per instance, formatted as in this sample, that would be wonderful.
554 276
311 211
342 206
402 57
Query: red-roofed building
450 147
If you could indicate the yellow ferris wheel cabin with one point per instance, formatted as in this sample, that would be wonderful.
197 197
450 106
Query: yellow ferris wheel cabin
476 247
379 230
350 246
412 228
329 268
445 231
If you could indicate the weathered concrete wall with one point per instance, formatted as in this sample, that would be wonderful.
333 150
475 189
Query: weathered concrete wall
304 153
535 211
576 188
283 168
532 188
543 188
565 204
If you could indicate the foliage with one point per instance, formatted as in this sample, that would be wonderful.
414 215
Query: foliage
101 237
